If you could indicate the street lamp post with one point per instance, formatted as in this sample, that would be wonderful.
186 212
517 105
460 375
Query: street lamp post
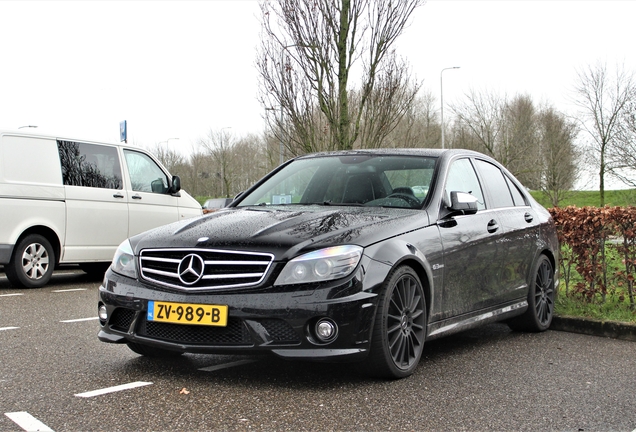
168 141
441 97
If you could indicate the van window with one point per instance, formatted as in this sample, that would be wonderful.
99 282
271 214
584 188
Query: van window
89 165
145 174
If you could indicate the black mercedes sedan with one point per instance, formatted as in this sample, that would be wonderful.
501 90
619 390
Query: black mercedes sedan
343 256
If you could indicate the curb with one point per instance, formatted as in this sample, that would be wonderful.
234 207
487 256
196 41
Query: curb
610 329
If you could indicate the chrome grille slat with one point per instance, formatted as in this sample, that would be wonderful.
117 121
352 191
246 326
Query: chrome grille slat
220 268
238 275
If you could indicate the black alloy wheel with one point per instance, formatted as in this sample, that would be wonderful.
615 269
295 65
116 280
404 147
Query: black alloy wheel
400 326
541 296
32 262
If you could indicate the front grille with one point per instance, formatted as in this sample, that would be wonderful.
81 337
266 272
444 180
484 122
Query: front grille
121 319
280 331
203 269
235 333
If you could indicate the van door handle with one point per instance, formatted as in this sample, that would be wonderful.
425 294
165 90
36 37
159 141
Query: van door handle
528 217
118 195
493 226
136 197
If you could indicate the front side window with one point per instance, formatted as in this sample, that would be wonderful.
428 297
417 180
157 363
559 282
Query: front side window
462 178
145 174
89 165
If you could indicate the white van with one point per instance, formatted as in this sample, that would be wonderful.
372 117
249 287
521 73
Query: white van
65 200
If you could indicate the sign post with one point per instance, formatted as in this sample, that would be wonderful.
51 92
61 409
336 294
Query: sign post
123 132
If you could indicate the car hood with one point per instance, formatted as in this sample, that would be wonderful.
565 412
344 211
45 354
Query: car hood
283 230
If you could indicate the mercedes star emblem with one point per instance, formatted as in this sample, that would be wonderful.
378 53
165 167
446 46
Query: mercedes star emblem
191 269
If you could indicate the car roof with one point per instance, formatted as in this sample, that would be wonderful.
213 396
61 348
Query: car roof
397 152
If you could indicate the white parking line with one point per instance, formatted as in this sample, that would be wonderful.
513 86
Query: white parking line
69 290
113 389
27 422
80 320
11 295
227 365
8 328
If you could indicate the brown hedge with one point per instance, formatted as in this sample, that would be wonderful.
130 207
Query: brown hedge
587 235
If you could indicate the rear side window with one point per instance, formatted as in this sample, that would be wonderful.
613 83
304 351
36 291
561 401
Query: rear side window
496 184
517 196
89 165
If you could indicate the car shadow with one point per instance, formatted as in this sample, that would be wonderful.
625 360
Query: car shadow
271 371
64 276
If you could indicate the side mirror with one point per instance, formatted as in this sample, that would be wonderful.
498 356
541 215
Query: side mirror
462 202
175 187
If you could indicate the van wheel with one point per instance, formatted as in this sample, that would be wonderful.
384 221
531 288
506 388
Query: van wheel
32 262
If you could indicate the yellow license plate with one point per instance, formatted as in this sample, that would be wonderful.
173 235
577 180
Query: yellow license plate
186 313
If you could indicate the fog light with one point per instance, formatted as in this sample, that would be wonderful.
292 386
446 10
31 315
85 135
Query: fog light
326 330
102 313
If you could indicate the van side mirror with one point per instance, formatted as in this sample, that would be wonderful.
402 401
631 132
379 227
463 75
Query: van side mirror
462 202
175 185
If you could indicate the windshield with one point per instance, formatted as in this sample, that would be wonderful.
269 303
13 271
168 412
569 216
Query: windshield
364 180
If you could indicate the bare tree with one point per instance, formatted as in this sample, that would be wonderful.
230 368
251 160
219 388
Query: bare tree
219 145
519 149
168 157
559 157
309 53
420 125
625 153
480 121
603 100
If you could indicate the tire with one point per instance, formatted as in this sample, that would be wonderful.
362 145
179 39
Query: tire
541 296
149 351
32 262
399 329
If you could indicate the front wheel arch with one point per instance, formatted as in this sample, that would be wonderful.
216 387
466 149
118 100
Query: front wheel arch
399 326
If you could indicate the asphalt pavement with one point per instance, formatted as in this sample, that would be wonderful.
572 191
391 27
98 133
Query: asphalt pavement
56 375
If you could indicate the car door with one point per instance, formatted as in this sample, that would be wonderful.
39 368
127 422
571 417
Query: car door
150 204
519 225
96 207
471 245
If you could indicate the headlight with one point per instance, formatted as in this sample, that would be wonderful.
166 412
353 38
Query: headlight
321 265
124 261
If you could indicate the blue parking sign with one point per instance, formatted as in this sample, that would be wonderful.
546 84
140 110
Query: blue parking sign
123 131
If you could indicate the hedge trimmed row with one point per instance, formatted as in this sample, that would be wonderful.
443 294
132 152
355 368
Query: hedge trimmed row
600 243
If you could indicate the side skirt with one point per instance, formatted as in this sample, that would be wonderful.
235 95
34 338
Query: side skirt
476 319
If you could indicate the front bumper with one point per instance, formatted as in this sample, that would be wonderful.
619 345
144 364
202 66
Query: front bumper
272 319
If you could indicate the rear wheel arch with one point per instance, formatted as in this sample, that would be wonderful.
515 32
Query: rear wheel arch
48 234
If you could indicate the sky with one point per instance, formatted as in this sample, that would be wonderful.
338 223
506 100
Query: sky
176 70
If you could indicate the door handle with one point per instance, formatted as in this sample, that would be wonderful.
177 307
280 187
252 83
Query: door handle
136 197
118 195
528 217
493 226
